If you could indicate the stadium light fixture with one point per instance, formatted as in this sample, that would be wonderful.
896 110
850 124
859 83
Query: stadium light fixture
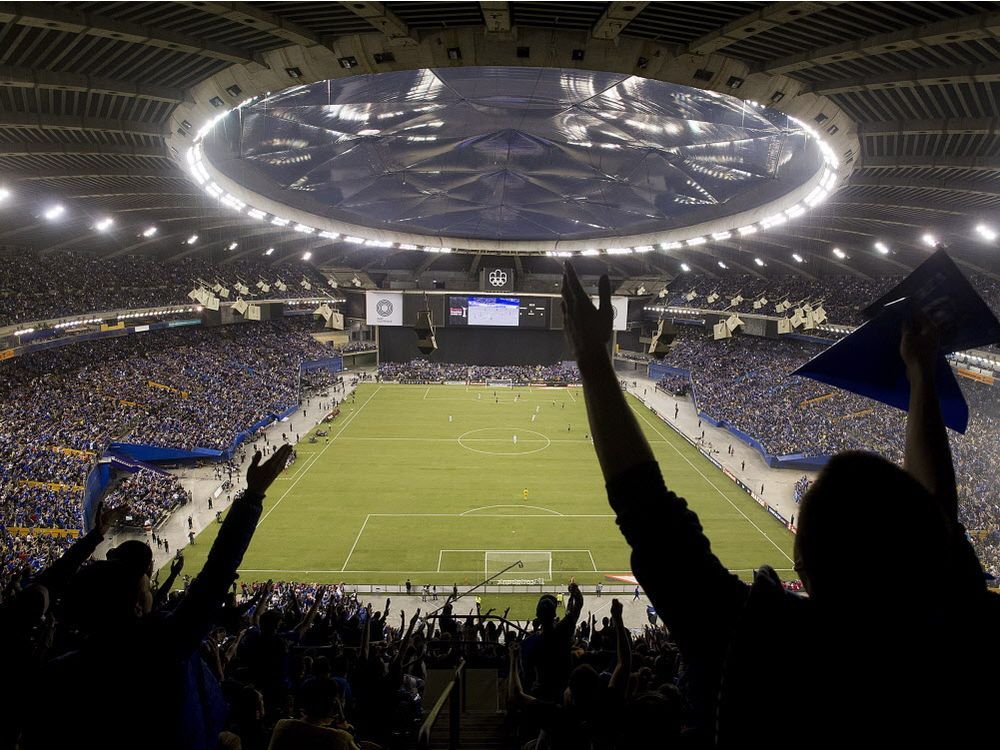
104 224
306 255
54 212
986 232
798 258
269 251
930 240
149 231
685 267
759 262
839 253
4 194
233 245
192 239
722 265
882 248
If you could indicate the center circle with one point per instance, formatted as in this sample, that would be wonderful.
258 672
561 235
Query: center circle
499 441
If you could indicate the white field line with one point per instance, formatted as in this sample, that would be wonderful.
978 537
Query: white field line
428 572
511 505
356 540
475 440
713 486
316 457
492 515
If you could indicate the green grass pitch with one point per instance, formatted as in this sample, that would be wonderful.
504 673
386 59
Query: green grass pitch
427 482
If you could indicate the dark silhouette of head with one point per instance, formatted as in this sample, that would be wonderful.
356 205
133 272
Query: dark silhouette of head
105 596
134 554
863 517
545 610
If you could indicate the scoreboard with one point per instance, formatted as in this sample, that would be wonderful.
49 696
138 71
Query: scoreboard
501 312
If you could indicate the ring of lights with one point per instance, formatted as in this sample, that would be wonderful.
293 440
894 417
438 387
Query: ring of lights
773 213
239 85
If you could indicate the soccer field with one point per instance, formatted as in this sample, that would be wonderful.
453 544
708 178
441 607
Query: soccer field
427 483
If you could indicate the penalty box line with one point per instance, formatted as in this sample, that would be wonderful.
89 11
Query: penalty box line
513 552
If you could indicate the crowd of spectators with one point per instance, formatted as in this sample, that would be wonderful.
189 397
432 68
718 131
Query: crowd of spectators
802 485
746 382
37 286
292 665
357 346
634 356
95 649
843 297
675 384
425 371
186 388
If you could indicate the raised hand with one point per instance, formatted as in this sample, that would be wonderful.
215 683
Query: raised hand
920 345
587 328
108 518
177 565
616 609
260 476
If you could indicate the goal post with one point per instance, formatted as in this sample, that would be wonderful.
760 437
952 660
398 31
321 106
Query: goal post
533 564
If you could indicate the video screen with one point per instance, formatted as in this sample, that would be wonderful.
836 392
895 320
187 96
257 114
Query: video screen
503 312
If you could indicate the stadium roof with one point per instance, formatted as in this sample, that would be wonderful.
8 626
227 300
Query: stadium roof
101 102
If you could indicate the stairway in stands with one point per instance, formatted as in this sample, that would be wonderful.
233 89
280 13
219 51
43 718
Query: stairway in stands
479 731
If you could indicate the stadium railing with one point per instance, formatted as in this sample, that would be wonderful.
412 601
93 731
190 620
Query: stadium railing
453 697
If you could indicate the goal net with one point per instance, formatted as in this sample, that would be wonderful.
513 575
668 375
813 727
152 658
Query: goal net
533 564
500 383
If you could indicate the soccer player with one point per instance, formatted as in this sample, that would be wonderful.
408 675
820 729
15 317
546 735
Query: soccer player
524 494
515 440
450 418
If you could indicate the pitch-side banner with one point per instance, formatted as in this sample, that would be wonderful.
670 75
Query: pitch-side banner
384 308
620 306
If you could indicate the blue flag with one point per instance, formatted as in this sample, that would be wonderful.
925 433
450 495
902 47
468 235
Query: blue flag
867 362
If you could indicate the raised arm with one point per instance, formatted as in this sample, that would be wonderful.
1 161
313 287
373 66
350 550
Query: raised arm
623 666
515 693
303 627
928 455
396 665
619 442
176 566
193 616
366 634
57 575
671 556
